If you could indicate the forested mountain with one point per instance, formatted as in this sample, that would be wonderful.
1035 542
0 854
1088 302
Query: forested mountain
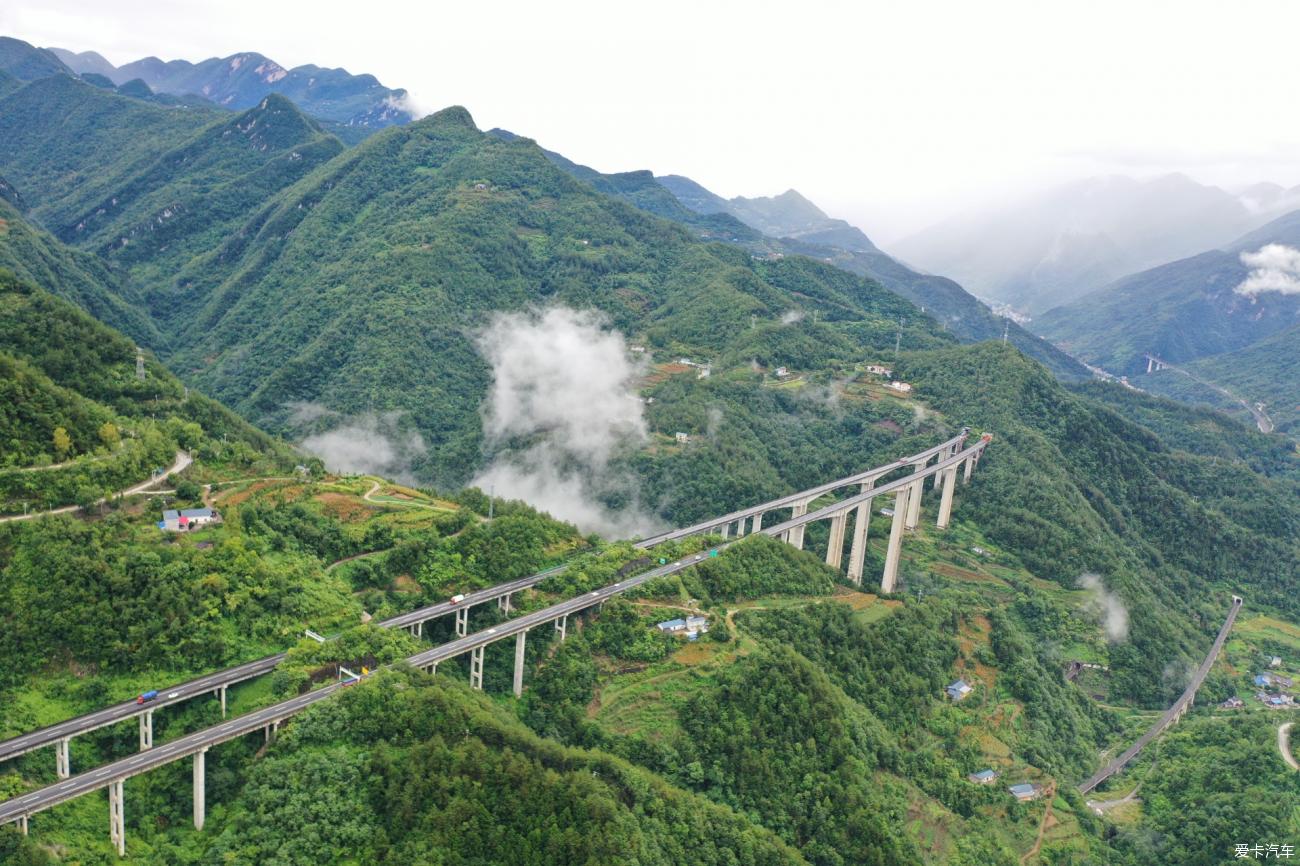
1221 300
72 396
25 62
82 278
789 224
1050 249
243 80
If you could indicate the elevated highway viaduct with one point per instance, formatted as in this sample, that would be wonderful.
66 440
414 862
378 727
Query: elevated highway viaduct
950 459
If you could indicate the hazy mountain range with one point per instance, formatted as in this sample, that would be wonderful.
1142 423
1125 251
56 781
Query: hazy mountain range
1047 250
357 103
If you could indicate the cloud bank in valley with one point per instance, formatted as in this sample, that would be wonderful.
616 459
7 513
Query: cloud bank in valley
368 444
561 409
1274 268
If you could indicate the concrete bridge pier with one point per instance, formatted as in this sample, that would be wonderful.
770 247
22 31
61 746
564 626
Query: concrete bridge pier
200 788
945 503
892 553
725 530
222 693
969 466
757 524
503 604
519 663
858 551
417 630
116 817
462 622
913 516
62 764
22 825
146 730
795 536
561 625
835 546
476 668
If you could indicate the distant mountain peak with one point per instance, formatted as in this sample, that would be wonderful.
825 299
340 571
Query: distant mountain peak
242 80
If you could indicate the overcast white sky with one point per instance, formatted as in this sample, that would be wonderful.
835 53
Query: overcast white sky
889 114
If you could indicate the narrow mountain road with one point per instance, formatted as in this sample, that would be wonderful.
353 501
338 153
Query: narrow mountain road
182 460
1284 744
1100 806
1256 410
374 488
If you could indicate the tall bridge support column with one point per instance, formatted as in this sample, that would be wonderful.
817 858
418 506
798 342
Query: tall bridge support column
969 466
116 817
462 622
200 788
476 668
757 524
222 692
417 629
835 546
561 625
945 503
858 552
725 530
795 536
740 528
890 578
62 763
146 730
503 604
519 663
938 476
913 516
22 825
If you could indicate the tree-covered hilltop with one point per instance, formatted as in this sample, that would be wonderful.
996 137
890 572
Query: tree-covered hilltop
149 187
78 422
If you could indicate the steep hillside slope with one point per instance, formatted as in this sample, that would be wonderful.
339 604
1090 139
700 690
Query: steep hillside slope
33 255
1187 309
243 80
791 225
363 286
149 187
1075 487
25 62
1050 249
73 396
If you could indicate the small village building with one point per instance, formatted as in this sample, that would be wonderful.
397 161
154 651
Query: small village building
187 519
959 690
1233 703
900 387
984 777
878 370
690 627
1024 791
1275 662
682 438
1263 680
888 512
782 372
704 372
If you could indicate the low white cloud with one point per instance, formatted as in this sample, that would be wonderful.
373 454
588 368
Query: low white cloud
562 408
367 445
1274 268
1107 606
792 316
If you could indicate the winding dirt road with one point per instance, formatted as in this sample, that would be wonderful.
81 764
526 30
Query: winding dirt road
1284 745
182 460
